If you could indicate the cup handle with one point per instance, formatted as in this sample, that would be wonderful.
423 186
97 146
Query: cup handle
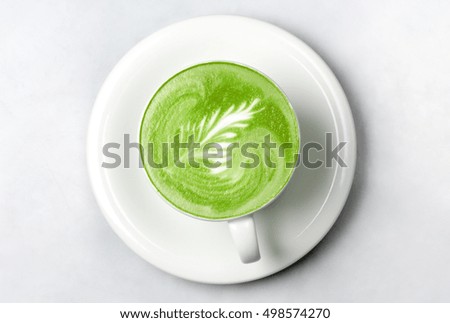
243 232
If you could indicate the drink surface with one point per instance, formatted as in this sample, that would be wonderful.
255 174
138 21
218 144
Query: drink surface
219 140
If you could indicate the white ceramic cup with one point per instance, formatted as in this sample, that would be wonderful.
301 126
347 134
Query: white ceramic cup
243 230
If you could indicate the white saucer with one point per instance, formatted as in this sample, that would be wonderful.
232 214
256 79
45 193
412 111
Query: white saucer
199 250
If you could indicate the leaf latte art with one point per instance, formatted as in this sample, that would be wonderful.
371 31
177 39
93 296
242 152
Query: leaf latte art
221 114
220 129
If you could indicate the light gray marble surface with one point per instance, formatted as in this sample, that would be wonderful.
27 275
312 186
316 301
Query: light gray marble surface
392 241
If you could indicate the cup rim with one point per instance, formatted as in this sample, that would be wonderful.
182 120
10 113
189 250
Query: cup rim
226 219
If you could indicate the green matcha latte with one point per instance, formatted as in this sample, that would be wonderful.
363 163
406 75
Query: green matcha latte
222 114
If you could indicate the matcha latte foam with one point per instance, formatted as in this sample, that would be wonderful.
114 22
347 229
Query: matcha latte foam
204 140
